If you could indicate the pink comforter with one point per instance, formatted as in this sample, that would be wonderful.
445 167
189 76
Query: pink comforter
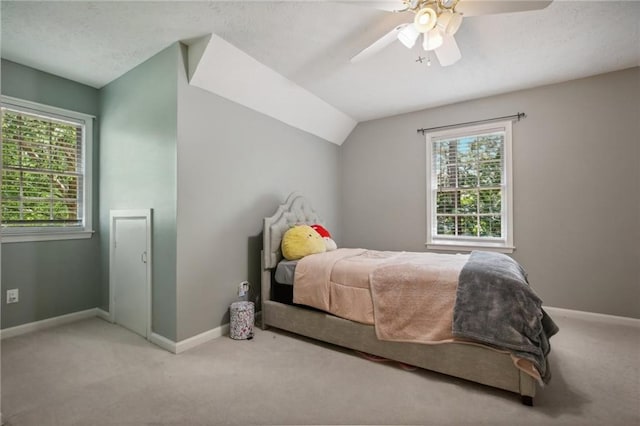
407 296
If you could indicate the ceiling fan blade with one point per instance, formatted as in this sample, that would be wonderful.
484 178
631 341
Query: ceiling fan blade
379 44
448 53
387 5
466 7
491 7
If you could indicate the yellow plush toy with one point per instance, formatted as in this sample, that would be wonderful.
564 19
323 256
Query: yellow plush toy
300 241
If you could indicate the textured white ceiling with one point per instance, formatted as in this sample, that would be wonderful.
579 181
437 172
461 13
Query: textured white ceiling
310 43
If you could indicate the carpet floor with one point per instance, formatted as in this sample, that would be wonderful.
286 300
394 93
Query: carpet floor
95 373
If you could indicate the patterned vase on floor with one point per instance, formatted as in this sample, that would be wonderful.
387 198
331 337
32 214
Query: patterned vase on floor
242 315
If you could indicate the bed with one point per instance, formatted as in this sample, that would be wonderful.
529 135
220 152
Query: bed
477 363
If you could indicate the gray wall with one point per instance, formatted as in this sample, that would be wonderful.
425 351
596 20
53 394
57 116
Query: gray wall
576 186
234 167
138 170
54 277
212 169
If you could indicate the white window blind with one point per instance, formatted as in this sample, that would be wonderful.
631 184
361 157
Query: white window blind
469 181
44 178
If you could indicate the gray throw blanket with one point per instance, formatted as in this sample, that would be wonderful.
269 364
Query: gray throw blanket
495 305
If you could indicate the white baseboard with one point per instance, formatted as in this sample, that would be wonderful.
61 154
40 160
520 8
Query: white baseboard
201 338
101 313
163 342
47 323
593 316
156 339
189 343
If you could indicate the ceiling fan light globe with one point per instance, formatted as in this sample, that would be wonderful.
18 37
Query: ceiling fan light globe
408 36
426 18
447 4
432 40
443 21
454 23
449 22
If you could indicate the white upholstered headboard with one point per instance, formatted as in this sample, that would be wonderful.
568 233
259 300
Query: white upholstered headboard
295 211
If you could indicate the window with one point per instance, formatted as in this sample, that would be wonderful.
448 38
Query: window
46 172
469 199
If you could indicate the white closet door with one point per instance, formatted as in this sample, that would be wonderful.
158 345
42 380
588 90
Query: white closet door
130 272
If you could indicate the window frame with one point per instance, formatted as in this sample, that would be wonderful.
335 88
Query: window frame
44 233
457 243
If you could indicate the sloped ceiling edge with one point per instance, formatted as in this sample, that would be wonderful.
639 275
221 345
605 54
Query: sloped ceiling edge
219 67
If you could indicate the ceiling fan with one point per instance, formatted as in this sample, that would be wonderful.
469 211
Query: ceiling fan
437 21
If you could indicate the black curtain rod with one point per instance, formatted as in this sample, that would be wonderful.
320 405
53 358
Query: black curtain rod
517 117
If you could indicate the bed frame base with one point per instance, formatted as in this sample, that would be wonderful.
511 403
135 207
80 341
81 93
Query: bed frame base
469 362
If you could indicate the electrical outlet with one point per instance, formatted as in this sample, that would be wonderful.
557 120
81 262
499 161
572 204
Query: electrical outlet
13 295
243 288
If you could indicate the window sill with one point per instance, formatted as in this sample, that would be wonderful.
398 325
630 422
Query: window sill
464 246
45 236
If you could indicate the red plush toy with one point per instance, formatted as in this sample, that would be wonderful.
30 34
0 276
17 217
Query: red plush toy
326 236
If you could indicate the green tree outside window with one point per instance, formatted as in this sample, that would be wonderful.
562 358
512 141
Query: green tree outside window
42 172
